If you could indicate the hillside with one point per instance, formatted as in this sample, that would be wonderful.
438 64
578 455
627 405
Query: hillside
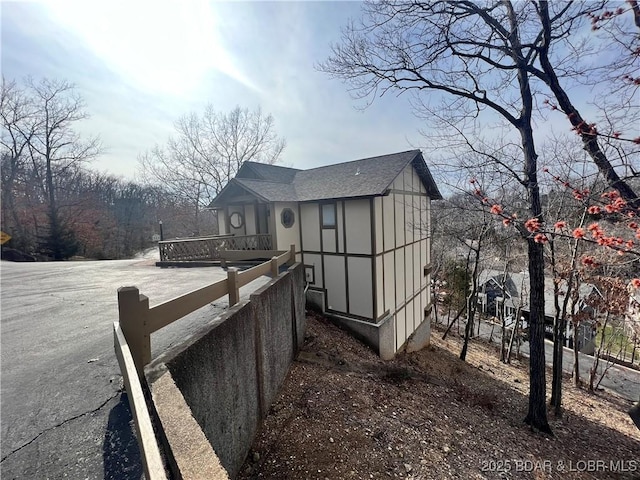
344 413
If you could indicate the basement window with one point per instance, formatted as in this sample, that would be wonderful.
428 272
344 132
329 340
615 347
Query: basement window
328 215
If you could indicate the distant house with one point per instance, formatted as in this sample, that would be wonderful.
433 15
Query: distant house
503 294
362 230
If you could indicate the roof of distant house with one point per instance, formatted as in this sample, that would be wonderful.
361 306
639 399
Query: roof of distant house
359 178
516 286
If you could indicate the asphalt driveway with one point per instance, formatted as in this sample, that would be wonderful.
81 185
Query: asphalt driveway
62 409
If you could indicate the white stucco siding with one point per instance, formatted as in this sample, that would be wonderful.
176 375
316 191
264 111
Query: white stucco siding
400 277
285 237
316 261
222 222
329 240
389 222
417 268
417 222
427 250
424 217
400 220
358 226
389 282
250 219
421 259
380 308
408 178
310 218
417 183
408 270
335 283
377 208
360 286
401 328
411 317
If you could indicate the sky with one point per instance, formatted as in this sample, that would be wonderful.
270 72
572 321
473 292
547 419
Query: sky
141 65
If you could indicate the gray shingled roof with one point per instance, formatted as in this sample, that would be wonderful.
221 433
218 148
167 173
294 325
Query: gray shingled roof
359 178
269 191
270 173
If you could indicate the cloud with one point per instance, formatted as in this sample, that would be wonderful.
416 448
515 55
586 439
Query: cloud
141 65
158 45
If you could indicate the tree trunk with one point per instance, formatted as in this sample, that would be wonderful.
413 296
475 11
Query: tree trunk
514 335
596 356
467 333
576 357
537 414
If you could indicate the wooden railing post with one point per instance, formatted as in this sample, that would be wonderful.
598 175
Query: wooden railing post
133 310
232 283
292 255
274 267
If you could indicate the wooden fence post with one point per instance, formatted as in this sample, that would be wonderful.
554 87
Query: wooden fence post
292 255
133 310
274 267
232 283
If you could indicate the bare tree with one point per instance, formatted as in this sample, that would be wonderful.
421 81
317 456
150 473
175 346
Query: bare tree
207 151
470 54
38 144
56 146
556 31
19 123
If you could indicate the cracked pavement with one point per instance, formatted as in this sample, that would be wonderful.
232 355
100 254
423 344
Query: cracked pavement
62 409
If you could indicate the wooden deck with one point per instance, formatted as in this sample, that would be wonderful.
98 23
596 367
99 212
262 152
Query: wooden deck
210 249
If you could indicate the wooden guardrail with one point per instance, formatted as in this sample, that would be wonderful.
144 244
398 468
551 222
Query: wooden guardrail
149 450
132 340
210 248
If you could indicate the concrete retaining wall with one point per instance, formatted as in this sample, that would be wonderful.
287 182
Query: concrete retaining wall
229 373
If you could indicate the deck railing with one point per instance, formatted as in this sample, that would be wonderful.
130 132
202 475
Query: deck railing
210 248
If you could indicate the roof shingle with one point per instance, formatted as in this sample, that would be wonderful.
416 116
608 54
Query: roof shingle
358 178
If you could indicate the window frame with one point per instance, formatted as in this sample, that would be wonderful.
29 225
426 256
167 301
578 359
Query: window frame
293 217
323 225
241 218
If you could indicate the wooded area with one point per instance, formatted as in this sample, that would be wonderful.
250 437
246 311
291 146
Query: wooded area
55 205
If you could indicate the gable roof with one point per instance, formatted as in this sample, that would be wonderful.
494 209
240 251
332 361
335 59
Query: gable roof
265 171
359 178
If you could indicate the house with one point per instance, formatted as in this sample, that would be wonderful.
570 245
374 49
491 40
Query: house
362 230
503 294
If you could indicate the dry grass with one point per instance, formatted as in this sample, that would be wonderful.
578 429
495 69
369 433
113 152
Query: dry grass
344 413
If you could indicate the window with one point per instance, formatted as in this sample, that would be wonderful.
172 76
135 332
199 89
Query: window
236 220
288 218
329 215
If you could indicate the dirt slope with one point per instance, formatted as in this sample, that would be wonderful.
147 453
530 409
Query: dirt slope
344 413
